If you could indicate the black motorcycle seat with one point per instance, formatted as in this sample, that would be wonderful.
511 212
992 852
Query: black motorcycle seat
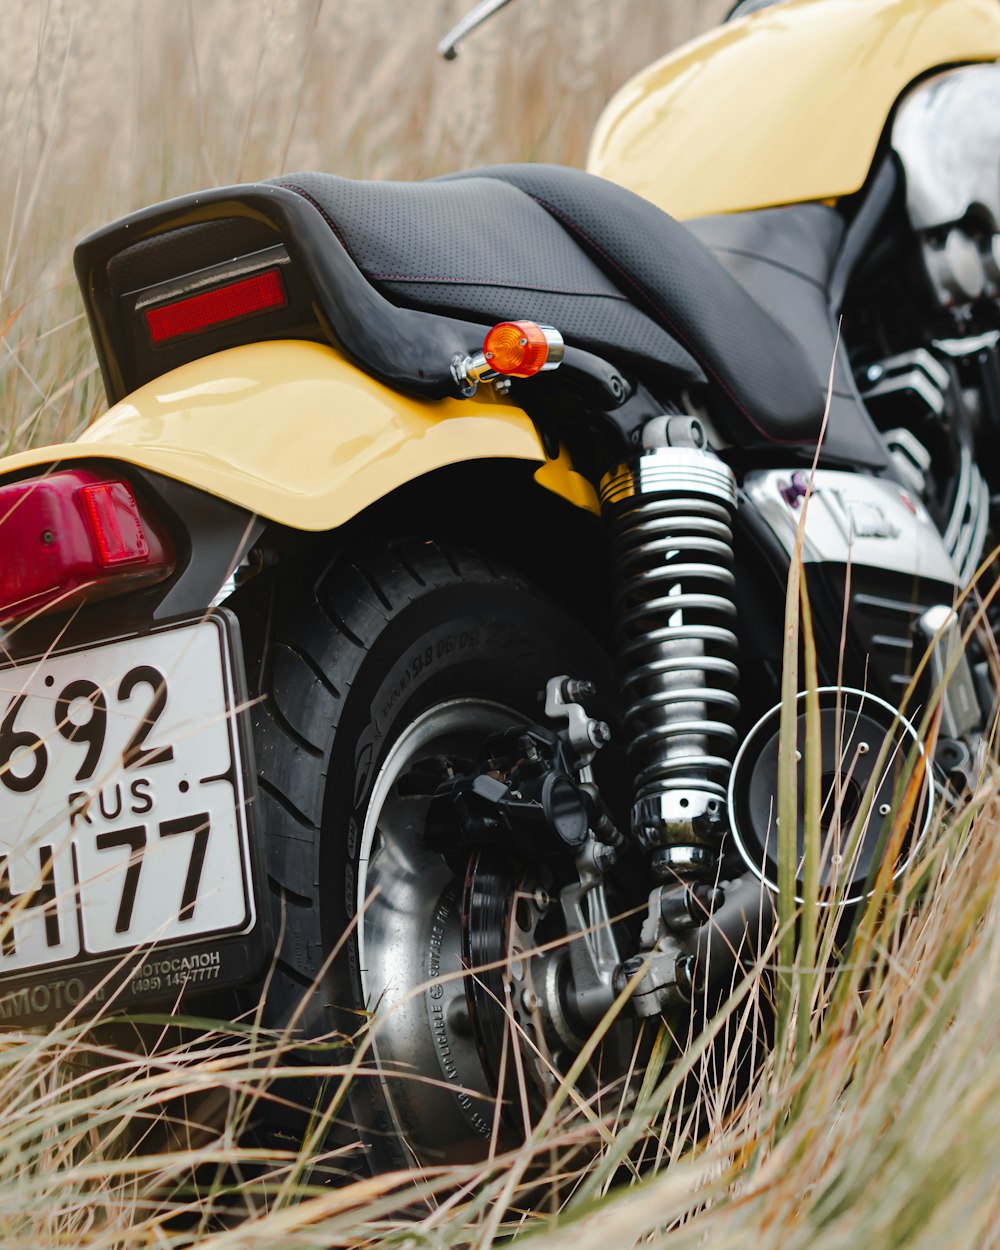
786 258
616 275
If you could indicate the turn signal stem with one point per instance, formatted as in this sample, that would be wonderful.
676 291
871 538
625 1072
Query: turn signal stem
512 349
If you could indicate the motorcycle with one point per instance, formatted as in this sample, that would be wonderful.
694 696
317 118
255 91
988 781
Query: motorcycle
404 644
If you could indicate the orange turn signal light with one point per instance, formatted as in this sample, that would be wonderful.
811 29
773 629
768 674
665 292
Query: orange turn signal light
519 349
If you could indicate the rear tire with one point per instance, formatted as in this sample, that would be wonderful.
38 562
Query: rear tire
396 653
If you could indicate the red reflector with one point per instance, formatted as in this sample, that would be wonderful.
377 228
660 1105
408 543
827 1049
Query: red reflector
74 536
114 520
258 294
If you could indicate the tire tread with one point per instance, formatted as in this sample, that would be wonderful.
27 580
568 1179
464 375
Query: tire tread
319 656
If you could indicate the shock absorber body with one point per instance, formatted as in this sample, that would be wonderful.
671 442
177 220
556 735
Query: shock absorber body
670 510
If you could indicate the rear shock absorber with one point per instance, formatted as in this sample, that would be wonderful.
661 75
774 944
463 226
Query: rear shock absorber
670 511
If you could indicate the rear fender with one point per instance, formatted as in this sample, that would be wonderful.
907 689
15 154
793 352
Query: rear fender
292 432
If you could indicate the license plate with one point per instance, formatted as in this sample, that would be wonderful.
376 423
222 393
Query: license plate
125 855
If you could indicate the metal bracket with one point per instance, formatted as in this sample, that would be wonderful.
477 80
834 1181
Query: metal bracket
586 734
960 710
469 371
593 953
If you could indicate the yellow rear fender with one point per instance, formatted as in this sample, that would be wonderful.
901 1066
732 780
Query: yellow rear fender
292 432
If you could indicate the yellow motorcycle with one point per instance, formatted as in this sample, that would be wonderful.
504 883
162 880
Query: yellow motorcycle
404 642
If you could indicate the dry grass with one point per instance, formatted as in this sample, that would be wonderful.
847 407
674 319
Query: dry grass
109 105
883 1131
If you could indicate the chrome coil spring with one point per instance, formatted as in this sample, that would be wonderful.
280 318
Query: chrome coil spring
674 559
670 513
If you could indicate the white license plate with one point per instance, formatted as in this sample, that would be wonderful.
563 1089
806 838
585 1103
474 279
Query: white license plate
122 805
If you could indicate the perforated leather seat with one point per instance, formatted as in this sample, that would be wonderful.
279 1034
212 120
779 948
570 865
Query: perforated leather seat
786 258
557 245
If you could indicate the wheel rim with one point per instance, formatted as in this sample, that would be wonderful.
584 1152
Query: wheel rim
411 933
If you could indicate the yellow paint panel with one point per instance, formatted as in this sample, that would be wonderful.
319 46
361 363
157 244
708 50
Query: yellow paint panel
293 432
783 106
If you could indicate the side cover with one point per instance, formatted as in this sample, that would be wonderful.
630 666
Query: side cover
291 431
782 106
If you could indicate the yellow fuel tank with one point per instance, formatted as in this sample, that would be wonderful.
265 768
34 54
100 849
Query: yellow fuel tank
785 105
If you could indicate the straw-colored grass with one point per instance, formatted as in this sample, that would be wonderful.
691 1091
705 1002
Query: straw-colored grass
875 1120
109 105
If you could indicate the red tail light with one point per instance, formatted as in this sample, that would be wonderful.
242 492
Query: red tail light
259 293
72 536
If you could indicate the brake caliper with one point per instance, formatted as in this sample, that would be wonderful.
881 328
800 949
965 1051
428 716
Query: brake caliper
532 798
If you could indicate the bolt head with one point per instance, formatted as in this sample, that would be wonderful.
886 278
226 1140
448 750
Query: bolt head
578 688
599 732
605 856
686 975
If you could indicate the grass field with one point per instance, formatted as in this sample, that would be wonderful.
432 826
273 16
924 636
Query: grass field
110 105
875 1122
